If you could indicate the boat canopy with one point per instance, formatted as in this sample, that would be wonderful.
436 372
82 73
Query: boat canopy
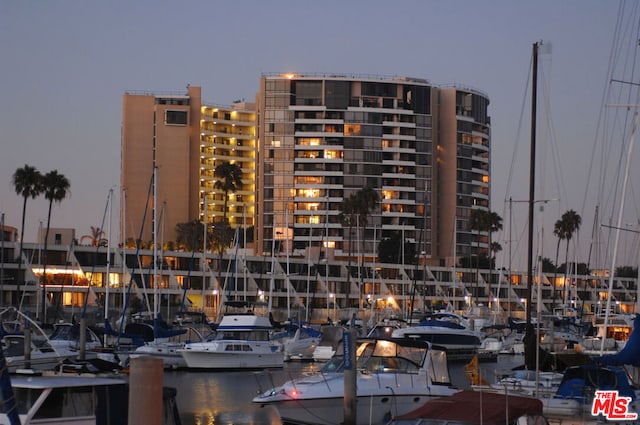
469 406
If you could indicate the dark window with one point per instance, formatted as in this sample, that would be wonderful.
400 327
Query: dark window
308 93
417 99
337 94
175 117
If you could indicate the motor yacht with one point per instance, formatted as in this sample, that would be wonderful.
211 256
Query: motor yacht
241 341
393 377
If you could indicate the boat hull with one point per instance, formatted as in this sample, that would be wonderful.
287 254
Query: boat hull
210 359
377 409
168 353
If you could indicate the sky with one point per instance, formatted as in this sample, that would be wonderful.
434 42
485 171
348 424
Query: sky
66 64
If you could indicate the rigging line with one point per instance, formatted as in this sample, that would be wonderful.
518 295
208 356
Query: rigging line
553 143
507 193
520 125
95 259
632 51
133 268
601 127
603 112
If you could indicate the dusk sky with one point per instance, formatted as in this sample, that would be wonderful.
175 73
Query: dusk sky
66 65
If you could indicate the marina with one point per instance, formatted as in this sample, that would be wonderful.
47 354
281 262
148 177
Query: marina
206 398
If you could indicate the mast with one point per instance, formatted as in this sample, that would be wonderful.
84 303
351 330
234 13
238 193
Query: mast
619 227
204 250
155 242
286 243
532 174
106 294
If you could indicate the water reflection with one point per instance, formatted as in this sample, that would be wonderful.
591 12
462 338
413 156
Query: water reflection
224 398
208 398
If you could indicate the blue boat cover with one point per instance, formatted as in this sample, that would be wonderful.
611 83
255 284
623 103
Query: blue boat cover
580 382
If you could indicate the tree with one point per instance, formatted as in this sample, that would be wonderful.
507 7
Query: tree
548 266
189 235
559 231
55 187
229 180
367 200
96 237
485 222
495 248
626 271
348 216
568 224
390 248
27 182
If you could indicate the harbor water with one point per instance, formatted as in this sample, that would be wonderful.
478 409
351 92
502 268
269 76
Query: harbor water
224 398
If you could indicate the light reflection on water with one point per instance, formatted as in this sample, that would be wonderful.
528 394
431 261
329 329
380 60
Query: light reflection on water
220 398
224 398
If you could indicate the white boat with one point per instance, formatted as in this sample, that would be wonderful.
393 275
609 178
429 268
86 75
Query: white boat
299 342
42 355
167 350
393 377
616 334
67 335
241 341
447 330
328 344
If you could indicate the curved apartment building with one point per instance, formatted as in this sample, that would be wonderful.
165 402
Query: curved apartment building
321 138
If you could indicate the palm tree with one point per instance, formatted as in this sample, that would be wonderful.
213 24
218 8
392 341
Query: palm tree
229 180
95 237
55 187
495 225
572 222
367 200
560 232
27 182
479 222
489 222
348 217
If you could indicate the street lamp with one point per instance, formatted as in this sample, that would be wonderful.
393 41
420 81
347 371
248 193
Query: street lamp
332 297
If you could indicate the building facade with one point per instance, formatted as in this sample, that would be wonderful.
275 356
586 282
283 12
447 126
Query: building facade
424 149
184 140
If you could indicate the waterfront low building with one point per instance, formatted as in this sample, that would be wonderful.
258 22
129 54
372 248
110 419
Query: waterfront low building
295 287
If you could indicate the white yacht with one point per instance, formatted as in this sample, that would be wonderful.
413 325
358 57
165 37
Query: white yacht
241 341
447 330
393 377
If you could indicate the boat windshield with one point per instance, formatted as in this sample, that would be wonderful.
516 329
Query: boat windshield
438 368
382 356
242 335
335 364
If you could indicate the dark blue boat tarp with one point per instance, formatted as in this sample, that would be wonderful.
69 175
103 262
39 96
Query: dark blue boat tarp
580 382
630 354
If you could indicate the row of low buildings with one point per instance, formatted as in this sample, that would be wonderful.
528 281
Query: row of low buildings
85 279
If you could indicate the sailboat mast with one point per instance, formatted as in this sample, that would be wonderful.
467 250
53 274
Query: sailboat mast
618 227
106 294
532 175
286 219
155 242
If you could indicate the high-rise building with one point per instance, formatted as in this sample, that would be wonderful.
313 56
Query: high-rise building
184 140
322 138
